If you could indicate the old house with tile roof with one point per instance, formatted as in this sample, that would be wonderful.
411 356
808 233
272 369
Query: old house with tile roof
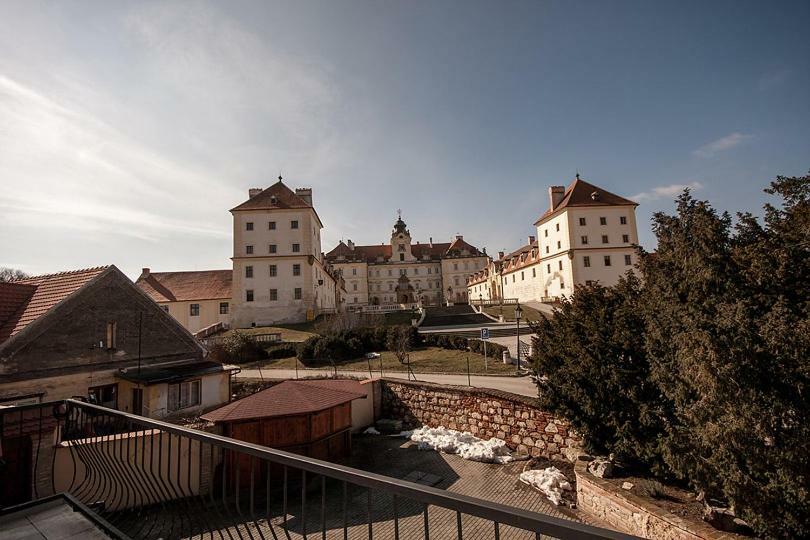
196 299
404 272
87 333
587 234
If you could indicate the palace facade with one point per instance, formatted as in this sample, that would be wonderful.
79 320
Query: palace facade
404 272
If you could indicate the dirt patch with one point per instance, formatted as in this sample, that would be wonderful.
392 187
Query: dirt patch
675 500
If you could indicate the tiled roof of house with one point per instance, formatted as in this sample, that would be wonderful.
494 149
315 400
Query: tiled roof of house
434 251
276 196
23 301
526 255
289 398
581 193
185 286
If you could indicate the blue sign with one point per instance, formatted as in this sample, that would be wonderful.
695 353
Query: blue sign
485 333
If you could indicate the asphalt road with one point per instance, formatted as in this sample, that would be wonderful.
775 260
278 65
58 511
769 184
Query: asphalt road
516 385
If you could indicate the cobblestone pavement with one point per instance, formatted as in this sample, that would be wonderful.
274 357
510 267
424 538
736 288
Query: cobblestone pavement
399 458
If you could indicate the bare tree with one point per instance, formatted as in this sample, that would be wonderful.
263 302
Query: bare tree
10 274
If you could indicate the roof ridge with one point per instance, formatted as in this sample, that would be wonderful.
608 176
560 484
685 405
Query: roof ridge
189 271
59 274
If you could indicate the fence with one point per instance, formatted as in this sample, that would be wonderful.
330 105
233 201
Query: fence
152 479
269 337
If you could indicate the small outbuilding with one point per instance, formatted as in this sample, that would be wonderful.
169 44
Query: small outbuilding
308 417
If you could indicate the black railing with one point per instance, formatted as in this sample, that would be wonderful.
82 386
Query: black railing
151 479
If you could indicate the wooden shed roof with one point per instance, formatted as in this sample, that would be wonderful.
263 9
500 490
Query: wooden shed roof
289 398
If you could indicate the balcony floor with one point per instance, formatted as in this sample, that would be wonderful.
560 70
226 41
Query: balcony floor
53 519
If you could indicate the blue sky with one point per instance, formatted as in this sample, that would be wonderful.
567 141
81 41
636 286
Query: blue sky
127 130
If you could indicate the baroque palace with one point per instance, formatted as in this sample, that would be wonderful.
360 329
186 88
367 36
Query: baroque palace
279 273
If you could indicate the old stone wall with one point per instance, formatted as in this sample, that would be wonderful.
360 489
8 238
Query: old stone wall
626 512
485 413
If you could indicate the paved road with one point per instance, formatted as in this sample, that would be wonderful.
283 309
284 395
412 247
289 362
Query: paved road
517 385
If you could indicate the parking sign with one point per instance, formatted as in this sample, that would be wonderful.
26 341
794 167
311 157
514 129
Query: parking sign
485 333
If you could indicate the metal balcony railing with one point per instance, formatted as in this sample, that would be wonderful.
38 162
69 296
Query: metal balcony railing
152 479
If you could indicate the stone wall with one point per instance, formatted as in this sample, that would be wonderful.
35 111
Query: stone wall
629 513
485 413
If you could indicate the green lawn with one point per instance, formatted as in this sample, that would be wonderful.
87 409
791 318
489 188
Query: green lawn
508 311
288 332
426 360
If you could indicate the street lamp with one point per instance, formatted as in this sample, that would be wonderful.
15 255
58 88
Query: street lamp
480 303
518 315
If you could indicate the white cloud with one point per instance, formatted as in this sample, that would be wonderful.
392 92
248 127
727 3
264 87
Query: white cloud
721 145
663 192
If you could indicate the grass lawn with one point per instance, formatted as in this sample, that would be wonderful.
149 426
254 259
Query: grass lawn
508 311
288 332
426 360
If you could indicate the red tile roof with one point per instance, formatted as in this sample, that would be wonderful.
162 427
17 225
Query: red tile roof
23 301
433 251
580 193
289 398
276 196
185 286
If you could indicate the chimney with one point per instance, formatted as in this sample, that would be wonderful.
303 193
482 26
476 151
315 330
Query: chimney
555 195
431 241
144 273
500 255
350 244
305 193
252 192
459 237
531 239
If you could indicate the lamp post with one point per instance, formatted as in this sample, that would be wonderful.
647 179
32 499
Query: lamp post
518 315
480 303
449 294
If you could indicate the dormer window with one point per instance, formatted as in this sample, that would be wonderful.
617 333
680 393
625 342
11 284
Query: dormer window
273 199
401 247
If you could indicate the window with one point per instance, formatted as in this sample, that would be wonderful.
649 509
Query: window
584 240
548 268
626 238
430 270
296 248
194 310
534 272
271 225
416 271
297 293
249 250
355 300
546 249
106 396
223 308
522 277
183 395
273 295
558 244
455 281
455 266
560 264
582 221
628 260
607 260
248 271
558 227
112 330
273 270
389 271
513 278
545 233
354 286
586 261
623 220
272 248
294 224
354 271
401 256
390 286
602 221
249 295
604 239
249 226
296 269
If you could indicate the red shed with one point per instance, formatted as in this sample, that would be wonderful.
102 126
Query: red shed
309 417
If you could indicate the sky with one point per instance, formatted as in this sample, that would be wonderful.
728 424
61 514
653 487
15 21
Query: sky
128 130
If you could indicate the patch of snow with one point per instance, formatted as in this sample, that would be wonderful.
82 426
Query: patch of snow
465 444
551 481
371 431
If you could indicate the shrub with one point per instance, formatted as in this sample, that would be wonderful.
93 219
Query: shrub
237 347
281 351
